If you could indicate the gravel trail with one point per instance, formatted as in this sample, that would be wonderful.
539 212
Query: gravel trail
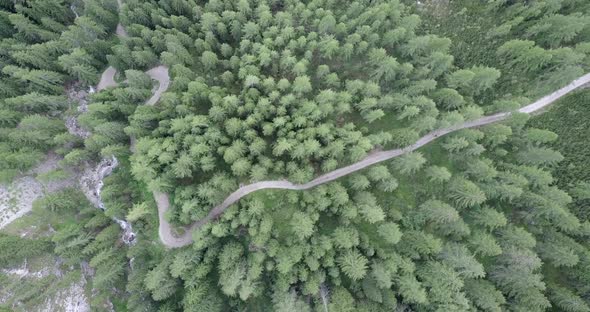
165 230
170 240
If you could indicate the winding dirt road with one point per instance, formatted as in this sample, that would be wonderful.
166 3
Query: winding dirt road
170 240
158 73
165 230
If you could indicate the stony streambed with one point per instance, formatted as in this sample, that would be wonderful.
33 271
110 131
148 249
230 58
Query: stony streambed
92 179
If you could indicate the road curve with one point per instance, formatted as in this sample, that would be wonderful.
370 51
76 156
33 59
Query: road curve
160 74
107 79
170 240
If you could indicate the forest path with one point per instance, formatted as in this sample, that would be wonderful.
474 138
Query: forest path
158 73
170 240
165 229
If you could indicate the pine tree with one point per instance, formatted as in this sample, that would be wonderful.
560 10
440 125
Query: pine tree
353 264
484 295
409 163
438 174
160 283
345 238
567 300
302 225
465 193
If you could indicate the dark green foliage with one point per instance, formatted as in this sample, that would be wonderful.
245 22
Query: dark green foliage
43 46
68 200
295 90
15 249
291 90
569 119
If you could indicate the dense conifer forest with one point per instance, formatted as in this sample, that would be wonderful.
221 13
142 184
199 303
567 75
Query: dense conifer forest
490 218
